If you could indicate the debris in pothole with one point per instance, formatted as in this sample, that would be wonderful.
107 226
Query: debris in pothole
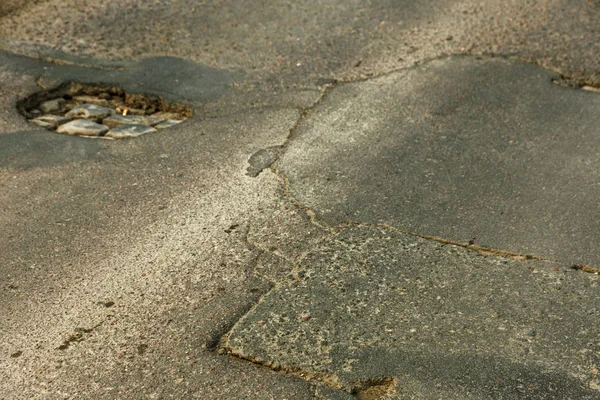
101 111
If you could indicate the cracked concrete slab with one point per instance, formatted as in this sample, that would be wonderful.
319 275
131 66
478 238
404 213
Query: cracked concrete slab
443 321
484 151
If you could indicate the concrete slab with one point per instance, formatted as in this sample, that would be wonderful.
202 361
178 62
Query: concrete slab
487 151
436 320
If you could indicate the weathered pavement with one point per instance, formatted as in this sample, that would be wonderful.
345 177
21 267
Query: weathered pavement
390 200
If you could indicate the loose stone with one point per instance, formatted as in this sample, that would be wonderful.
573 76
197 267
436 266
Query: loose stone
92 100
82 127
43 124
89 111
129 131
50 121
117 120
167 124
51 106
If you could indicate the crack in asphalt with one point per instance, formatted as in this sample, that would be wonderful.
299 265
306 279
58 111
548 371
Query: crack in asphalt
373 389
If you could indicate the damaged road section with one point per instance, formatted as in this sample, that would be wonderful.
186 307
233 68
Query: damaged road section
484 151
436 320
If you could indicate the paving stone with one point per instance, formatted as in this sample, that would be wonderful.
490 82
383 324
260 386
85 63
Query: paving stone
167 124
50 120
90 111
82 127
117 120
51 106
129 131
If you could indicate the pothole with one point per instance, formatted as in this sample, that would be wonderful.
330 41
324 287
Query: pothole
101 111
